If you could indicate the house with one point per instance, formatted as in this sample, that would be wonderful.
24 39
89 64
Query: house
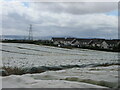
57 41
63 41
96 42
69 41
110 44
82 42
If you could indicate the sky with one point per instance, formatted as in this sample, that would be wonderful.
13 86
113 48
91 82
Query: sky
60 19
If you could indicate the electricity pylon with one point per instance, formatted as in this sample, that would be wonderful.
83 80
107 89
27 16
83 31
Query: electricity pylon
30 37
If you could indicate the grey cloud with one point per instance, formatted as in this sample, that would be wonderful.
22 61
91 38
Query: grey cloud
16 24
62 19
77 8
82 32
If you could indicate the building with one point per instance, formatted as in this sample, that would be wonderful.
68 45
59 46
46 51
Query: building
63 41
82 42
110 44
57 40
69 41
91 43
96 42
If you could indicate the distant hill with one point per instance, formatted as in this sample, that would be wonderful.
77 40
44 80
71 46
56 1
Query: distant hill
20 37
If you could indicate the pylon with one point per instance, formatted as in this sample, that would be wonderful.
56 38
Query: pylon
30 37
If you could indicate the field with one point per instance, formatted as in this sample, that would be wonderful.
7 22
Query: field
77 68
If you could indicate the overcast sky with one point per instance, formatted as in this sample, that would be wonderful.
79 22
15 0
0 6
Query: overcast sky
83 19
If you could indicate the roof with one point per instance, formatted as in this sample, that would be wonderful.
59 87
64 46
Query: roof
111 41
58 39
97 41
69 39
62 39
83 40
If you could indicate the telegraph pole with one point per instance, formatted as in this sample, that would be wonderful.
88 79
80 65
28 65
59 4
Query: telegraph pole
30 37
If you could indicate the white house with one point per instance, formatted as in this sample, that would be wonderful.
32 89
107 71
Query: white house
63 41
109 44
82 42
96 42
58 41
